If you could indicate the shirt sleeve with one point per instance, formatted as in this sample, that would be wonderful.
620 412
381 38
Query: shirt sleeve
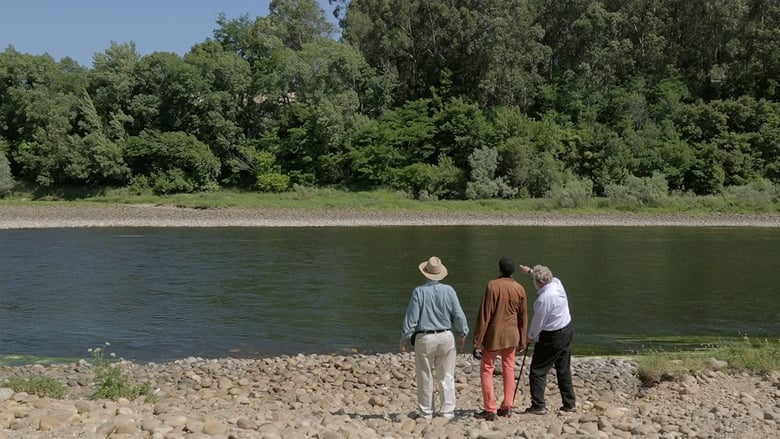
412 316
541 311
522 318
459 324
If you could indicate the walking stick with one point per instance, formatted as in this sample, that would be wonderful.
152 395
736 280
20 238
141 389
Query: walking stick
519 375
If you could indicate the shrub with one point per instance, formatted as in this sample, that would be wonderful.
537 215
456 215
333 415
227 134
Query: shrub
6 179
483 184
758 195
576 192
639 192
272 182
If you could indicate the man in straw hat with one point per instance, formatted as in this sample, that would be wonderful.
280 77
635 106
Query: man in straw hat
433 318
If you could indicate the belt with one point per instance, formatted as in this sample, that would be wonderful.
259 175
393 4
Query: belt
558 330
433 331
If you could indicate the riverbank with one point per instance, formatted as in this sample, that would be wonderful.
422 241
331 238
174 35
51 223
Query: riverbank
373 396
22 216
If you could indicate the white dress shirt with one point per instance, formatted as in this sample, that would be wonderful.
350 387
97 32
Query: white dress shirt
551 309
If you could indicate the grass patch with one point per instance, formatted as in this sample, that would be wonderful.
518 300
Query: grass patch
745 354
388 200
41 386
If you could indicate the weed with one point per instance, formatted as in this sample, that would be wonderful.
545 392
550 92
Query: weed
111 382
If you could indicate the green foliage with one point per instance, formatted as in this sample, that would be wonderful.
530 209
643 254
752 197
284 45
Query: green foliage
171 162
430 182
613 92
482 183
574 192
111 382
268 174
6 179
639 192
42 386
760 195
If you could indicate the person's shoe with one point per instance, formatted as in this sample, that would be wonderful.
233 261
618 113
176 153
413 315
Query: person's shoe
418 415
504 413
565 409
486 415
539 410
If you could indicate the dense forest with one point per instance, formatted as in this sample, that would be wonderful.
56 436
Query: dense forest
440 99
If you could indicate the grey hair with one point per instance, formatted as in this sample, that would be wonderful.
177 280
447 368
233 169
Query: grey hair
541 274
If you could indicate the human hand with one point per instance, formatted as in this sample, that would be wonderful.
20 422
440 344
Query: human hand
525 269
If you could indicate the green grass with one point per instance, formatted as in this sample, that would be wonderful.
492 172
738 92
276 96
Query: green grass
385 200
745 354
42 386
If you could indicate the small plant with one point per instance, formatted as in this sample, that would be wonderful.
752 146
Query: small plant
42 386
111 382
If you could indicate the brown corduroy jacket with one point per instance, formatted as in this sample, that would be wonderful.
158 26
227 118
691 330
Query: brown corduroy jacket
502 320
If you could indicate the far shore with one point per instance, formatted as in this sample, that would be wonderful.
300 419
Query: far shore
28 216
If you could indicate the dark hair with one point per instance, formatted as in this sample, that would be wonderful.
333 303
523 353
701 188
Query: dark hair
507 266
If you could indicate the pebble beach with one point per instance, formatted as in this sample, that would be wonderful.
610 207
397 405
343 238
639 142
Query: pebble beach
371 396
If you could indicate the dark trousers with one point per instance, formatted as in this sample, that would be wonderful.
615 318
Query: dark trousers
553 349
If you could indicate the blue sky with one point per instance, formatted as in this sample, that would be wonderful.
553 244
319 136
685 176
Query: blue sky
81 28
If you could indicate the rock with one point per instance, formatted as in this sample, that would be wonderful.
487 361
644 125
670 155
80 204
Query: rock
304 396
715 364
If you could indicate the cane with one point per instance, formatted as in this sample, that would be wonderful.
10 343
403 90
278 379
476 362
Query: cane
519 375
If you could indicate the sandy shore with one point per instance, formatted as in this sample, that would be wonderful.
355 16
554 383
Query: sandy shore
140 215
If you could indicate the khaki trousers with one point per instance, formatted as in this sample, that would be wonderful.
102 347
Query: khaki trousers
435 366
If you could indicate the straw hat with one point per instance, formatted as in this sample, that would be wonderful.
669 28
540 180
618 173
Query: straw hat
433 269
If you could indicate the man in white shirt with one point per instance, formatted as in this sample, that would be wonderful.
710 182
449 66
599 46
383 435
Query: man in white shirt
551 331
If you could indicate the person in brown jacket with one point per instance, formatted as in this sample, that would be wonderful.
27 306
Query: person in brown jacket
501 328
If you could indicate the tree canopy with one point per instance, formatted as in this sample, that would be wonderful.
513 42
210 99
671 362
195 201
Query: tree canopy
444 99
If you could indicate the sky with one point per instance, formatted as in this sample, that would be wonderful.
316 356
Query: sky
80 28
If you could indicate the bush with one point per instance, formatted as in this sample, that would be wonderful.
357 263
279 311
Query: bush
639 192
758 195
430 182
575 192
483 185
171 162
272 182
6 179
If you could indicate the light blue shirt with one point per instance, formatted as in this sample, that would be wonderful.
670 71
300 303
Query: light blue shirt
434 306
551 309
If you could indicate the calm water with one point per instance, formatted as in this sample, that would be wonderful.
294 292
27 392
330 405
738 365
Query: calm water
157 293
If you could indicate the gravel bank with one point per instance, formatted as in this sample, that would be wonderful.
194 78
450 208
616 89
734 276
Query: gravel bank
372 396
135 215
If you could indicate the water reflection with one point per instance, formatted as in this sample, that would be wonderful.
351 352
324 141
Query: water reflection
160 294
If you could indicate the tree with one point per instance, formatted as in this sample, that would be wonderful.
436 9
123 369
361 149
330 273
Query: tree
299 22
483 183
93 159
